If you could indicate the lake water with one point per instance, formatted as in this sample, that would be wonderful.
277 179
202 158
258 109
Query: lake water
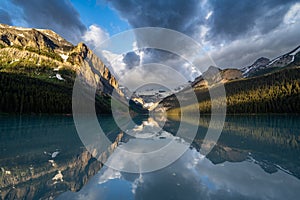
256 157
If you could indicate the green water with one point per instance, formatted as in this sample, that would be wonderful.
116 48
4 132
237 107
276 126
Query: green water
256 157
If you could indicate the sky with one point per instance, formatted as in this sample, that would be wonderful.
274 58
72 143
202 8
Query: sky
234 33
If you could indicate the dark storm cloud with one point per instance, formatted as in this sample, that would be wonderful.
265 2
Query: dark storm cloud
181 15
5 17
184 16
58 15
236 32
131 59
245 51
232 19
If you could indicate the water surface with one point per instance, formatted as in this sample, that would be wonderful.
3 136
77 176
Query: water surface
256 157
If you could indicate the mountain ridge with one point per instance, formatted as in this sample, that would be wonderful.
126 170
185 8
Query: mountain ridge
42 57
265 63
215 75
275 90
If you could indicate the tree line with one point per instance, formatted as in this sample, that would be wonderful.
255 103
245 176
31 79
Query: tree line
22 94
278 92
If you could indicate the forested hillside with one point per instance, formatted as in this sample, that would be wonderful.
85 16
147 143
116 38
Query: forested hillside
277 92
22 94
38 68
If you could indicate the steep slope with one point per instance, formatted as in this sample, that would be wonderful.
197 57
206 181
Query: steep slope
277 92
38 68
38 39
259 63
268 90
215 75
264 65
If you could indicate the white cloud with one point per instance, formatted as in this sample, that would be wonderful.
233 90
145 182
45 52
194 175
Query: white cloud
94 36
208 15
109 174
114 62
236 53
149 69
293 15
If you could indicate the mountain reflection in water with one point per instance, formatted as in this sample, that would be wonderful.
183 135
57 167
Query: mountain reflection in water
236 168
256 157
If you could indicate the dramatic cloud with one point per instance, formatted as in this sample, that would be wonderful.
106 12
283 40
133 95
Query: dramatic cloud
58 15
149 65
131 59
246 50
227 20
184 16
5 17
234 33
233 19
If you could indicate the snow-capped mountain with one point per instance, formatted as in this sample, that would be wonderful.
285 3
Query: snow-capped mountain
259 63
266 64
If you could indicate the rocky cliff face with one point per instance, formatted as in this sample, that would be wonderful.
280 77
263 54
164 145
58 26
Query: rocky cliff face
93 69
35 38
38 69
23 48
216 75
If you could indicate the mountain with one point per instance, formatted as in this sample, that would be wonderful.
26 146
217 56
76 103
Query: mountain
264 65
38 68
264 87
215 75
258 64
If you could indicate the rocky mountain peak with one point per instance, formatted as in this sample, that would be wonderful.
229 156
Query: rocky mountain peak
212 74
82 49
212 69
215 75
261 60
264 65
41 48
40 39
258 64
